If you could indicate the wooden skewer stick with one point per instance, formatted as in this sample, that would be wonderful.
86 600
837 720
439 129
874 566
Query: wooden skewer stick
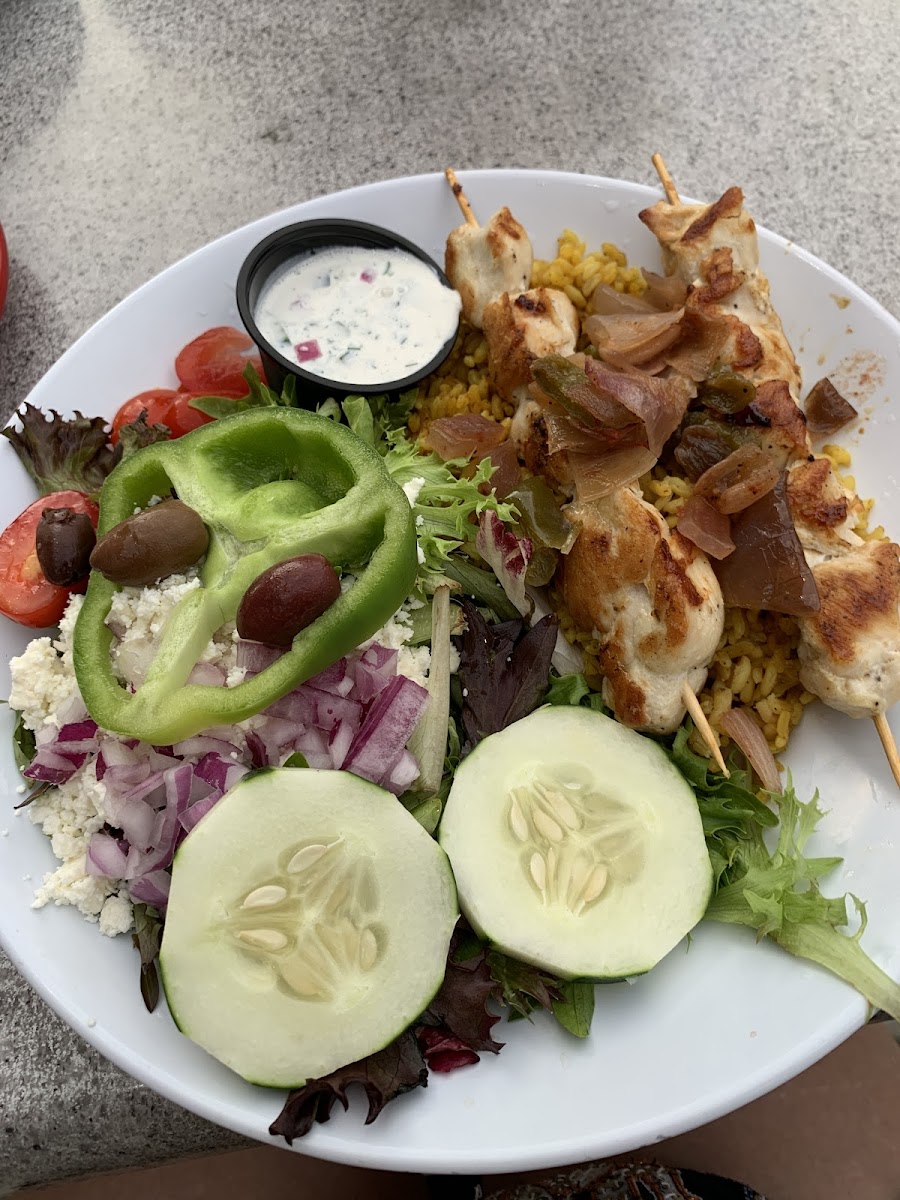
698 716
890 746
461 199
666 179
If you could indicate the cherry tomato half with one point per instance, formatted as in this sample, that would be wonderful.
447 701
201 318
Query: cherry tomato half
25 594
157 402
213 363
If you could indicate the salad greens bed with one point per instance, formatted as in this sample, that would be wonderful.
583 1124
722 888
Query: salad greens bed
756 841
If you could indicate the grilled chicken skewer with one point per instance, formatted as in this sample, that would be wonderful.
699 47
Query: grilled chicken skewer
850 646
656 605
485 262
652 596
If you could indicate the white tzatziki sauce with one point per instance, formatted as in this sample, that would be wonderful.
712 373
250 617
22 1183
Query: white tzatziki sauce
357 314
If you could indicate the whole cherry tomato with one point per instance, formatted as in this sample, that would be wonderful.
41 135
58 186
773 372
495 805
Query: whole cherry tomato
213 363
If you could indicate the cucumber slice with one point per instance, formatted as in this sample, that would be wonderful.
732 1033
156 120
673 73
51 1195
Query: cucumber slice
576 845
308 925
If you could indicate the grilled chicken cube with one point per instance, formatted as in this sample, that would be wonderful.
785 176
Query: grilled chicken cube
484 261
653 603
850 648
523 326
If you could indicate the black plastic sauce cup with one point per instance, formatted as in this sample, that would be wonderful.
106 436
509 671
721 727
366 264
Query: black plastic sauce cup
292 242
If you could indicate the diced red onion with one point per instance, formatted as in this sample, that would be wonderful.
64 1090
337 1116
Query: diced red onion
403 774
386 729
381 658
336 679
78 731
207 674
746 734
259 755
340 741
313 745
297 706
135 818
152 889
256 656
116 753
48 766
213 769
369 682
307 351
151 789
198 811
105 857
333 710
195 746
121 777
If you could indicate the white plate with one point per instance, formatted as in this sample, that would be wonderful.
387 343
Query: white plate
708 1030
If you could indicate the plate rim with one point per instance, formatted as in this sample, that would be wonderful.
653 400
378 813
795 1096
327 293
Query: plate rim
332 1147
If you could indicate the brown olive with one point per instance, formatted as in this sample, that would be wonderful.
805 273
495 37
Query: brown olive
287 598
152 544
63 542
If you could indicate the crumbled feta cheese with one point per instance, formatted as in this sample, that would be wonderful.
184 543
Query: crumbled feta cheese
70 813
116 916
71 884
43 686
412 661
420 521
138 616
412 488
420 555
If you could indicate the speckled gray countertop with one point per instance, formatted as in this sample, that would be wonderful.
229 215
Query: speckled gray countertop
132 133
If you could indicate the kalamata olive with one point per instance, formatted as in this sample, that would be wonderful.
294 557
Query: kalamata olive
63 542
287 598
160 541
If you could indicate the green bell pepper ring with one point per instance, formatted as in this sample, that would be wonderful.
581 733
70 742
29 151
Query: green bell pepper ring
269 484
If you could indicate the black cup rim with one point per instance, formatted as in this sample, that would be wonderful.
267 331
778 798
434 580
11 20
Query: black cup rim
299 233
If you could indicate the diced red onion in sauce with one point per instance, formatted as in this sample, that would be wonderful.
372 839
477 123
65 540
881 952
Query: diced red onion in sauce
308 351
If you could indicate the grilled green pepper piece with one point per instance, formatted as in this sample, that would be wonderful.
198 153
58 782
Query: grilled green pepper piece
269 484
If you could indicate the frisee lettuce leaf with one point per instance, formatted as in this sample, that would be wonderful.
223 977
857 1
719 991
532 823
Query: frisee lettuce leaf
444 505
776 892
